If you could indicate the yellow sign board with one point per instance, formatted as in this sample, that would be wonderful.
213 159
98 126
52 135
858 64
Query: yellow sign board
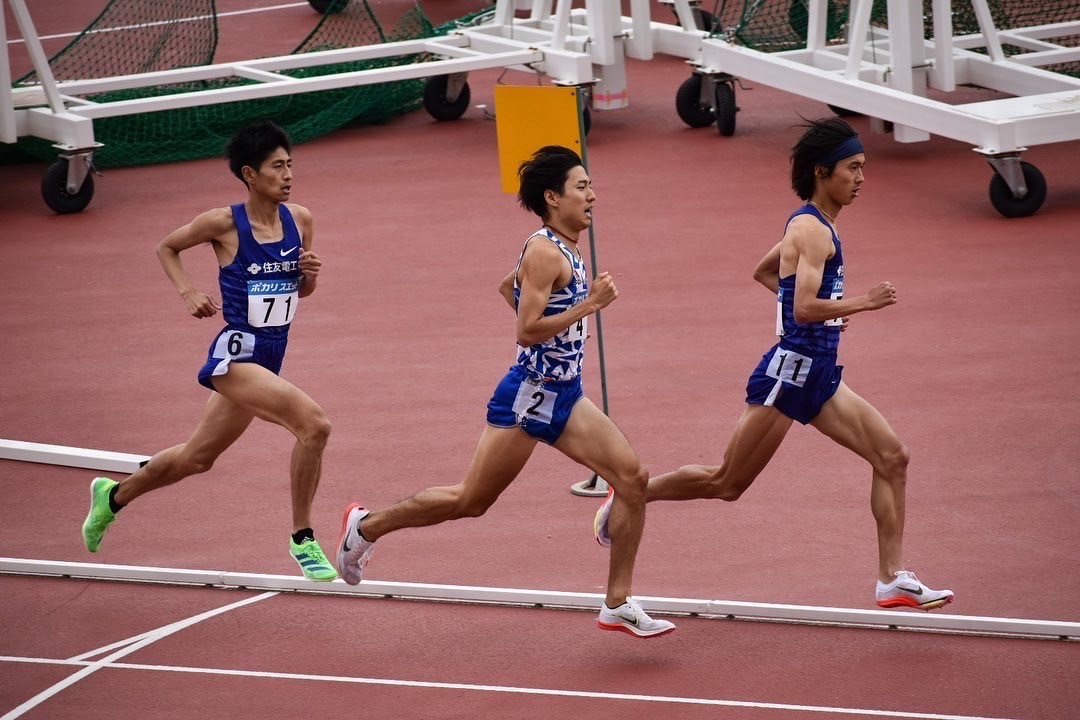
528 117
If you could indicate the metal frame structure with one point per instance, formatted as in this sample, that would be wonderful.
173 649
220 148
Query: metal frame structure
63 111
885 74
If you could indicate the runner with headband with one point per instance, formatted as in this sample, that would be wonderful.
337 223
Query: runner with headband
798 378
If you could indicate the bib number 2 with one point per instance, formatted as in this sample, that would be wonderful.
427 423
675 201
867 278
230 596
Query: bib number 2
533 402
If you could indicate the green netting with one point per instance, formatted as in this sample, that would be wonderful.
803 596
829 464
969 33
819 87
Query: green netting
197 132
777 25
135 36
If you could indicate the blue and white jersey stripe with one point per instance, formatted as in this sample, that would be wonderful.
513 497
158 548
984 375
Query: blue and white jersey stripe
559 357
818 337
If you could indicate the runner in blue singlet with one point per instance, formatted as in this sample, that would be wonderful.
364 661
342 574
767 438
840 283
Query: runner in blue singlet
798 378
540 397
266 264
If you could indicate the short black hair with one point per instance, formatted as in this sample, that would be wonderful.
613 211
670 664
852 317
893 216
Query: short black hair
253 143
820 136
547 169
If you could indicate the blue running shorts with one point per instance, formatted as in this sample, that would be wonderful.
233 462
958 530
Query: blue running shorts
235 345
794 383
539 407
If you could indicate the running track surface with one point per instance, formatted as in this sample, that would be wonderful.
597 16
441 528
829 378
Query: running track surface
402 344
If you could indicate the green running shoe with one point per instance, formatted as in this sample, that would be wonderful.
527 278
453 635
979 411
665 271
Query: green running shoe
100 514
312 561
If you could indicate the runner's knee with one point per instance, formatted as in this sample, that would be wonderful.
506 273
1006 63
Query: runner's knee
893 463
316 430
472 507
195 463
632 485
723 486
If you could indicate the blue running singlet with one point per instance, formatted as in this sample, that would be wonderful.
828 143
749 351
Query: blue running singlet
560 357
819 337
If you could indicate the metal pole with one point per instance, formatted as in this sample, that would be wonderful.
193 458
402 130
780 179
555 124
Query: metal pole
595 486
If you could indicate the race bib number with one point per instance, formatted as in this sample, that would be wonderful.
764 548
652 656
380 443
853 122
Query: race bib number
578 331
272 303
835 322
790 367
533 402
234 345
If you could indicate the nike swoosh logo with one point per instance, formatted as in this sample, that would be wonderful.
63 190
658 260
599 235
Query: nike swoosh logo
345 543
286 253
913 591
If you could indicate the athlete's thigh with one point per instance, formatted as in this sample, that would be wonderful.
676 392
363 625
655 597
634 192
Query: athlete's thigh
500 455
222 422
592 439
757 436
856 424
266 395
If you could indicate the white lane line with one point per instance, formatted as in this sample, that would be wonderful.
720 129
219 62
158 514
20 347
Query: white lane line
58 36
150 637
833 711
111 646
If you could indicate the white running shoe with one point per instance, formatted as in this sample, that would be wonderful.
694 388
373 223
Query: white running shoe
353 550
907 591
603 517
631 619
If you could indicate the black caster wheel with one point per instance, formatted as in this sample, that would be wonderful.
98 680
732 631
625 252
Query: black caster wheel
328 7
438 105
1003 200
688 104
55 193
725 109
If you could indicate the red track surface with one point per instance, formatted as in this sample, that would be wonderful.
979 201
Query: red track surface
402 345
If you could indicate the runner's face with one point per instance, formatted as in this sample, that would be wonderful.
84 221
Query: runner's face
273 179
573 209
846 180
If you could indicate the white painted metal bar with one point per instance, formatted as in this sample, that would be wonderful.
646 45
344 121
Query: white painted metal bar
989 32
859 28
303 85
71 456
940 622
816 24
562 20
36 52
639 43
8 133
943 75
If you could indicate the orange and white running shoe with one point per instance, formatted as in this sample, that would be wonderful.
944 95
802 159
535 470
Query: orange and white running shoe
907 591
632 620
354 550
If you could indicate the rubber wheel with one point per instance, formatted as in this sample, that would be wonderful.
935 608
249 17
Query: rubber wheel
436 103
725 109
1003 200
324 7
54 190
688 104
